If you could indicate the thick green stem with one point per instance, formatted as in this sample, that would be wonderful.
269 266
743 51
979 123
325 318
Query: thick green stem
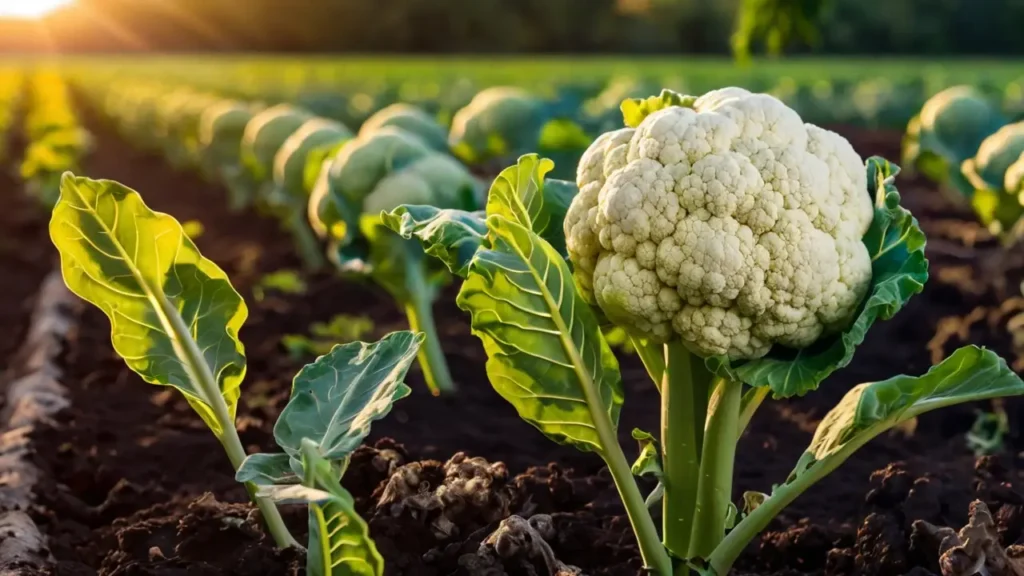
714 493
306 242
271 515
684 401
431 355
651 550
751 402
723 557
653 357
200 373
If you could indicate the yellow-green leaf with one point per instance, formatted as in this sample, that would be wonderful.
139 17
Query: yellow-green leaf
174 315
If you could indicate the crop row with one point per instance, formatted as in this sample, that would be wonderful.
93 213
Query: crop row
745 253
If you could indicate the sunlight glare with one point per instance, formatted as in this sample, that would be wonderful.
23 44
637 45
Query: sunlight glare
30 9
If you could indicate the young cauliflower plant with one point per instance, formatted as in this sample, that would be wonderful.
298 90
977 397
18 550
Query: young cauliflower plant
175 319
294 164
503 122
747 253
996 173
947 131
221 128
373 173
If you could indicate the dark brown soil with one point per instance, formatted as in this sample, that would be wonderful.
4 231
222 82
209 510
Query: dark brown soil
135 485
25 255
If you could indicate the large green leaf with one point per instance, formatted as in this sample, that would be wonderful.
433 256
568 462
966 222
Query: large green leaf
336 398
339 539
451 236
398 265
174 315
544 346
970 373
520 193
899 270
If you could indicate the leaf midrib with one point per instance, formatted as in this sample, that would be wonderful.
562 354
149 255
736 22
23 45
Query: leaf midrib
186 346
602 424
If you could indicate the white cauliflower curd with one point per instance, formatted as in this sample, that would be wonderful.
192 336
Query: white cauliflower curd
731 224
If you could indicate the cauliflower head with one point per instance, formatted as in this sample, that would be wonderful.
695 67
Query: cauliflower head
411 119
731 224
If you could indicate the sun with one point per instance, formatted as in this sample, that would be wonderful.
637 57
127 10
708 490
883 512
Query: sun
30 9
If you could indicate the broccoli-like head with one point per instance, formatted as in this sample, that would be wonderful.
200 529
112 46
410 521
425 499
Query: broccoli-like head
290 162
498 122
266 133
725 221
412 120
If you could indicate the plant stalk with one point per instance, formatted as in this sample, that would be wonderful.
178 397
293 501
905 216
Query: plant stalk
684 401
271 515
306 242
714 493
730 548
430 356
653 553
204 380
748 406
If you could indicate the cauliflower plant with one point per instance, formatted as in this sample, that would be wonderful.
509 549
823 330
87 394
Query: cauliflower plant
725 221
411 119
499 122
374 173
221 127
264 136
996 173
949 129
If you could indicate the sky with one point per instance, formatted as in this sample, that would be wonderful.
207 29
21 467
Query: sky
30 9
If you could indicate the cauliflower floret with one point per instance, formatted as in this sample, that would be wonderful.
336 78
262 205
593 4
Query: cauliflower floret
732 225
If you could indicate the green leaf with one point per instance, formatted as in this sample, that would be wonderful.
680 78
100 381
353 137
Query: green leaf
517 193
969 374
451 236
339 539
996 210
336 398
648 462
522 194
398 265
174 315
544 346
635 110
266 470
899 270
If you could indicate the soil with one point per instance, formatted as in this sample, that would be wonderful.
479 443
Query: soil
135 485
25 256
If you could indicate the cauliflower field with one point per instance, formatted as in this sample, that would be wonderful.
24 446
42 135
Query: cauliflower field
368 317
